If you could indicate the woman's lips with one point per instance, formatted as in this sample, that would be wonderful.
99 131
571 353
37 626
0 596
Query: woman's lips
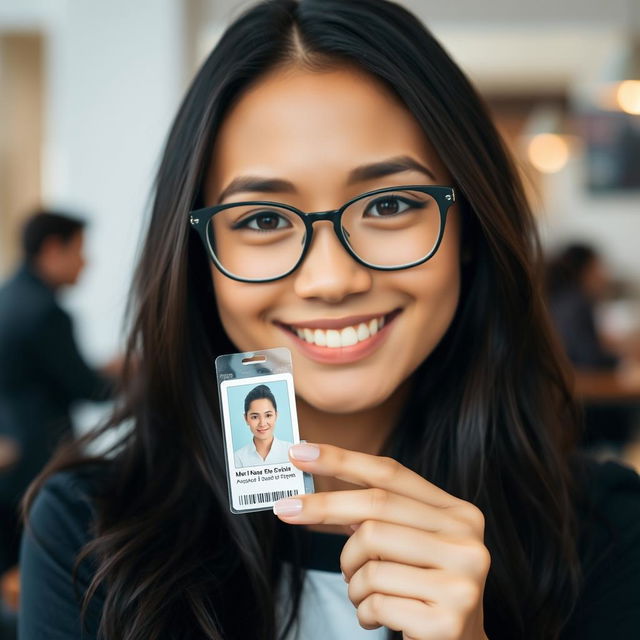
363 346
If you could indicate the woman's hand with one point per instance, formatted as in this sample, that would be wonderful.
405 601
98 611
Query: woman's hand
416 562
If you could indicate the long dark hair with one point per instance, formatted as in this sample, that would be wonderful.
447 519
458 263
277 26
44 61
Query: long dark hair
173 561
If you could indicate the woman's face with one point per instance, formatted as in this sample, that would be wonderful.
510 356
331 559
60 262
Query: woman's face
261 418
312 129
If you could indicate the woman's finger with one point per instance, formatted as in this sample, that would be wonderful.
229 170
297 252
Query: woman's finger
354 507
432 586
416 619
369 471
376 540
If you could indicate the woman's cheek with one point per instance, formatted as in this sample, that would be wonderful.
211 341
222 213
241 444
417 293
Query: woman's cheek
242 307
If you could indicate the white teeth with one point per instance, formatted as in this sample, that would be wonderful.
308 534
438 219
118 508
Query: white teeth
346 337
363 331
333 338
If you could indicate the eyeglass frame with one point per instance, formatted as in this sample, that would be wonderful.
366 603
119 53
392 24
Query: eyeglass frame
200 218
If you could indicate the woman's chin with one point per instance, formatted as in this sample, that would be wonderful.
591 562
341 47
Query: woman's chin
344 400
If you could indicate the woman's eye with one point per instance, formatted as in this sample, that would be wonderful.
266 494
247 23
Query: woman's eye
384 207
264 221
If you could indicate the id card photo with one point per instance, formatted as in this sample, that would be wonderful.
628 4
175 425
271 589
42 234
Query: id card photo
260 424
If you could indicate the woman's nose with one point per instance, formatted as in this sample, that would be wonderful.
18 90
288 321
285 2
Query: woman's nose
328 272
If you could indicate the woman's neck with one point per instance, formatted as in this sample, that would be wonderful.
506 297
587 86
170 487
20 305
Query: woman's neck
263 447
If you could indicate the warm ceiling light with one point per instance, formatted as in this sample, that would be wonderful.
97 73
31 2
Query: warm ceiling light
628 96
548 152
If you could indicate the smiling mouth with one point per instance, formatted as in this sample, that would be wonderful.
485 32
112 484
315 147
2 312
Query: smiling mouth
346 336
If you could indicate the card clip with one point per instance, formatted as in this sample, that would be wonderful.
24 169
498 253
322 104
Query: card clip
255 359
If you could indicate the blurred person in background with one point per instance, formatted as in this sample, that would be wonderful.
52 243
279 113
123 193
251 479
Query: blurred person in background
41 369
577 282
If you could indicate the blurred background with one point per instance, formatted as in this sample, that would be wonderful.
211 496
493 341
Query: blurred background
88 90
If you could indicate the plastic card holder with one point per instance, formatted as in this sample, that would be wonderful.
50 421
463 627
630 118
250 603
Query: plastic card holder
260 423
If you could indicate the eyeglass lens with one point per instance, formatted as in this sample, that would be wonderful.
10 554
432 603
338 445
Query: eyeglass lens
388 229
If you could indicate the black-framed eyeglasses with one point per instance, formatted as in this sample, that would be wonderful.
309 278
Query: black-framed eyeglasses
386 229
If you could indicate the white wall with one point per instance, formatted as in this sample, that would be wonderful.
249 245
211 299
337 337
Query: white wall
116 73
463 12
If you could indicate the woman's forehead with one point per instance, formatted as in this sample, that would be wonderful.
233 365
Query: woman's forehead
314 128
261 404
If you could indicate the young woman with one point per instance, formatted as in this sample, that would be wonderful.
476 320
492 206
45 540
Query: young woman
440 443
261 414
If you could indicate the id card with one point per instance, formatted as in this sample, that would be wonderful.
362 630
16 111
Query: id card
259 418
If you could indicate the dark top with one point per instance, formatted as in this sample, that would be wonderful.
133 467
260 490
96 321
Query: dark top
41 374
609 549
573 315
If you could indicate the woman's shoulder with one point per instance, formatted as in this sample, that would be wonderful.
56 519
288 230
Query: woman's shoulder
79 483
52 570
65 503
609 547
608 501
245 449
606 486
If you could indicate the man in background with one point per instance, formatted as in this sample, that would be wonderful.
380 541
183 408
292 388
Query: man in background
41 369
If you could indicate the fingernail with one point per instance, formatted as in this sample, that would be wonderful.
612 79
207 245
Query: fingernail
304 451
287 507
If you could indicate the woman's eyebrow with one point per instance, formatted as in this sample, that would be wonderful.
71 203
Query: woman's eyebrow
359 174
388 167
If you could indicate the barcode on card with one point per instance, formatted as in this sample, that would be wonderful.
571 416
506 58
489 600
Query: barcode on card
268 496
